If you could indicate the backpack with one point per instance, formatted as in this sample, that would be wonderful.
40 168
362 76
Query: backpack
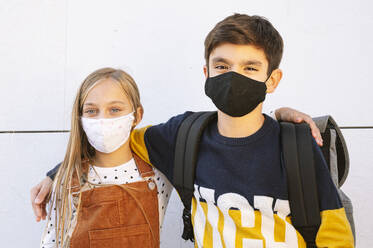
297 153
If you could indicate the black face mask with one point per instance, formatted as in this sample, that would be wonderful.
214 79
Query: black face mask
235 94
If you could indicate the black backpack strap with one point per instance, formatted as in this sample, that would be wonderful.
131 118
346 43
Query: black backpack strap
302 188
186 154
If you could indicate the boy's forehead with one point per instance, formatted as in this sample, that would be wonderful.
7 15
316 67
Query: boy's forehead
241 54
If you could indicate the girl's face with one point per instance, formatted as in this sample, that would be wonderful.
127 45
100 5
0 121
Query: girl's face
106 100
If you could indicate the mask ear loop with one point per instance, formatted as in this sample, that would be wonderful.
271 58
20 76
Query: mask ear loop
268 77
265 82
134 113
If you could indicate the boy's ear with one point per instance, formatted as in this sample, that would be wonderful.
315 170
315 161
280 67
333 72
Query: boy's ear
139 114
205 71
273 80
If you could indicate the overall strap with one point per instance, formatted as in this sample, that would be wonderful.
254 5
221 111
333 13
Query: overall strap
302 187
145 169
76 182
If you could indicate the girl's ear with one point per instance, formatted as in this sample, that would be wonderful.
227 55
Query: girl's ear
139 113
273 80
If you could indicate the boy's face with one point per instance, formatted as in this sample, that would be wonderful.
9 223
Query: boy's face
246 60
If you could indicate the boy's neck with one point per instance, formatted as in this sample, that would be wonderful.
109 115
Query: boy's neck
240 127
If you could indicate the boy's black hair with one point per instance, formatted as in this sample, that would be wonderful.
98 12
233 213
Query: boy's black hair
241 29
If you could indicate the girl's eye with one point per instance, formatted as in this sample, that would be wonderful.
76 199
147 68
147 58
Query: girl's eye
90 111
115 110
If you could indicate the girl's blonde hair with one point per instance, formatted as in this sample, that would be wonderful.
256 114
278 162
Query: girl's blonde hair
79 150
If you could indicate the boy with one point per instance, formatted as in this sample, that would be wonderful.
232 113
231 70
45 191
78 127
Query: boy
240 197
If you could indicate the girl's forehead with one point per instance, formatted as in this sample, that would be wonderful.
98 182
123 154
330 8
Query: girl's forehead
106 90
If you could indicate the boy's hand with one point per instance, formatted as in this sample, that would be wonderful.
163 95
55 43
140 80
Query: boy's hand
292 115
39 194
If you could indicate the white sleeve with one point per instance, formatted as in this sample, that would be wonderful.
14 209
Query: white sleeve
164 188
49 237
272 114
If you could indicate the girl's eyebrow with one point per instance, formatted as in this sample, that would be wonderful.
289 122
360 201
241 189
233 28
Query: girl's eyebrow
121 102
90 104
112 102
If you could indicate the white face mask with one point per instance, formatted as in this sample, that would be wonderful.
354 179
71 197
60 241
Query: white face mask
107 135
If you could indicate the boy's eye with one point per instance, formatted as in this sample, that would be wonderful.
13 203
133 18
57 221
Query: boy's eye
221 67
250 69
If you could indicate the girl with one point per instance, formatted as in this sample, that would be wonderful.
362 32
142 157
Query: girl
104 195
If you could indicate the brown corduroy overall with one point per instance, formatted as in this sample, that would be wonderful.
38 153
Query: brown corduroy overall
119 216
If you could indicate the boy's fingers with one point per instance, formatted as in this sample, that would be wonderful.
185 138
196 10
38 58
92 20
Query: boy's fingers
288 114
43 211
314 130
44 191
38 195
42 194
36 207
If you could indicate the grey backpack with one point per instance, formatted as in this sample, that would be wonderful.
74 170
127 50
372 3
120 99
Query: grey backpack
336 155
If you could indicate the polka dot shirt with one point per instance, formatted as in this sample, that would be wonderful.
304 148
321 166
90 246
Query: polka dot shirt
122 174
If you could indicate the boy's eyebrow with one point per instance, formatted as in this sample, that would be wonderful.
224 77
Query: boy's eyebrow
252 62
247 62
220 59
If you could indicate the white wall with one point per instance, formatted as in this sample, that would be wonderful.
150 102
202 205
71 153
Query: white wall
359 182
47 47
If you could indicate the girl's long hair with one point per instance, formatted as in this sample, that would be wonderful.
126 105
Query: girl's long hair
80 151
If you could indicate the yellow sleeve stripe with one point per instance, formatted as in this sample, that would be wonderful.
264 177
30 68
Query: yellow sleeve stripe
137 143
335 230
